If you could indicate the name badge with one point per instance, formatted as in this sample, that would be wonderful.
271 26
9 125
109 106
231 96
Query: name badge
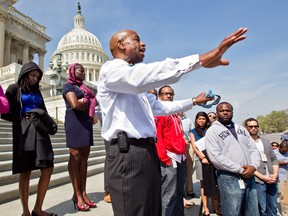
174 163
241 184
263 157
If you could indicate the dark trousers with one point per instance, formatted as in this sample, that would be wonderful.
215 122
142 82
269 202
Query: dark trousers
106 189
173 189
134 180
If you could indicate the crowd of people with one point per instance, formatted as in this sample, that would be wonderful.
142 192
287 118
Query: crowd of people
151 147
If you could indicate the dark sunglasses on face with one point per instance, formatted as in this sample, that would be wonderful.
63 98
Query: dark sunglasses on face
275 145
253 126
211 116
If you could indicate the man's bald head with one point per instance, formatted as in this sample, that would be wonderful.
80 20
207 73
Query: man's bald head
126 45
116 39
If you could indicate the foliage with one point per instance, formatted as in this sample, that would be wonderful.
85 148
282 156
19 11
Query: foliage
276 121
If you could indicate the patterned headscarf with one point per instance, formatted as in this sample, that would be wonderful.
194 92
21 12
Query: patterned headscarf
89 96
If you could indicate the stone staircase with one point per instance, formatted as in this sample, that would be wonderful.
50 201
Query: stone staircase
60 176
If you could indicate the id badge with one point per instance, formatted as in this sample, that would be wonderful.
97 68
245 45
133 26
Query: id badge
241 184
263 157
174 163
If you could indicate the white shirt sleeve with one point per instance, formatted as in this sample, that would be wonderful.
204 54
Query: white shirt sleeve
142 77
161 108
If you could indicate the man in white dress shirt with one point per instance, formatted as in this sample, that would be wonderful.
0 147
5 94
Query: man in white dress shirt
133 177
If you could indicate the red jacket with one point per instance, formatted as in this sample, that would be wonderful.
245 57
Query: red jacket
169 137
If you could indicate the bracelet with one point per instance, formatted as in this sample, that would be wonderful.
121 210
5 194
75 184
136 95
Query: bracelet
194 101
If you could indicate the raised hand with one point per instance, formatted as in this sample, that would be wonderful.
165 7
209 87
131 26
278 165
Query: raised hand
202 99
214 58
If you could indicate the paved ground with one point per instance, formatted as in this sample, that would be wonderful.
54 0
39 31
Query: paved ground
58 200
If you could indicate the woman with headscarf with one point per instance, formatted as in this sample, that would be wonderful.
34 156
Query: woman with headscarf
80 103
205 171
32 147
4 104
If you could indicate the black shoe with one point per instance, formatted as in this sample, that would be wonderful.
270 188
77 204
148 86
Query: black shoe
192 195
50 214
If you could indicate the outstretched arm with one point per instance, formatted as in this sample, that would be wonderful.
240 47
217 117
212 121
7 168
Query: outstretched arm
214 57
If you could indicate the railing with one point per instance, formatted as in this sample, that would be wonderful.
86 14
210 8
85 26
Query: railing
26 19
56 112
13 68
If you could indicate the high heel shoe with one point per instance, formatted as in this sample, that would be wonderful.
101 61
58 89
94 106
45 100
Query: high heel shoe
79 207
91 204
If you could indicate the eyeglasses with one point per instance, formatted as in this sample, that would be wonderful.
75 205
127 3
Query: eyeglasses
212 116
167 93
253 126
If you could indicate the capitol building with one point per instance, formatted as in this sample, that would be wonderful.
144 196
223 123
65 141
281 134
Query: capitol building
21 38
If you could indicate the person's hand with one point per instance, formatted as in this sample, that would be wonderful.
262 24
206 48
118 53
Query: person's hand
273 178
248 171
202 99
205 161
267 178
214 58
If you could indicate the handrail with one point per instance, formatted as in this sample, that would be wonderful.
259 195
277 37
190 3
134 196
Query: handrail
56 111
26 19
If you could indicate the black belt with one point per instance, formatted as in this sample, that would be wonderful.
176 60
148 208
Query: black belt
227 173
134 141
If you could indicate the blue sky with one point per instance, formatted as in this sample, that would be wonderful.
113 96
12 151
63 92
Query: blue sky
255 82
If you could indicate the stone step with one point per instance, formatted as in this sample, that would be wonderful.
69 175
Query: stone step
8 140
9 134
98 144
7 164
9 182
7 145
7 178
10 192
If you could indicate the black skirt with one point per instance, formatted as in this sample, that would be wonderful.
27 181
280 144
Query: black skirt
210 181
26 162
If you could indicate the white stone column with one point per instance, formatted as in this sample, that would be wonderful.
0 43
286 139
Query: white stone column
41 60
94 75
25 53
2 40
87 74
7 58
97 75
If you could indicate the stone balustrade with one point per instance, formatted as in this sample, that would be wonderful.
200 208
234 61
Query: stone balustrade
26 19
13 68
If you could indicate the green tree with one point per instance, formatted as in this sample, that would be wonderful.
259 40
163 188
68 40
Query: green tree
276 121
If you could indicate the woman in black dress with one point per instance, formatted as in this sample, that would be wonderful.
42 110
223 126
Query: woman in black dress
80 103
204 168
32 147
